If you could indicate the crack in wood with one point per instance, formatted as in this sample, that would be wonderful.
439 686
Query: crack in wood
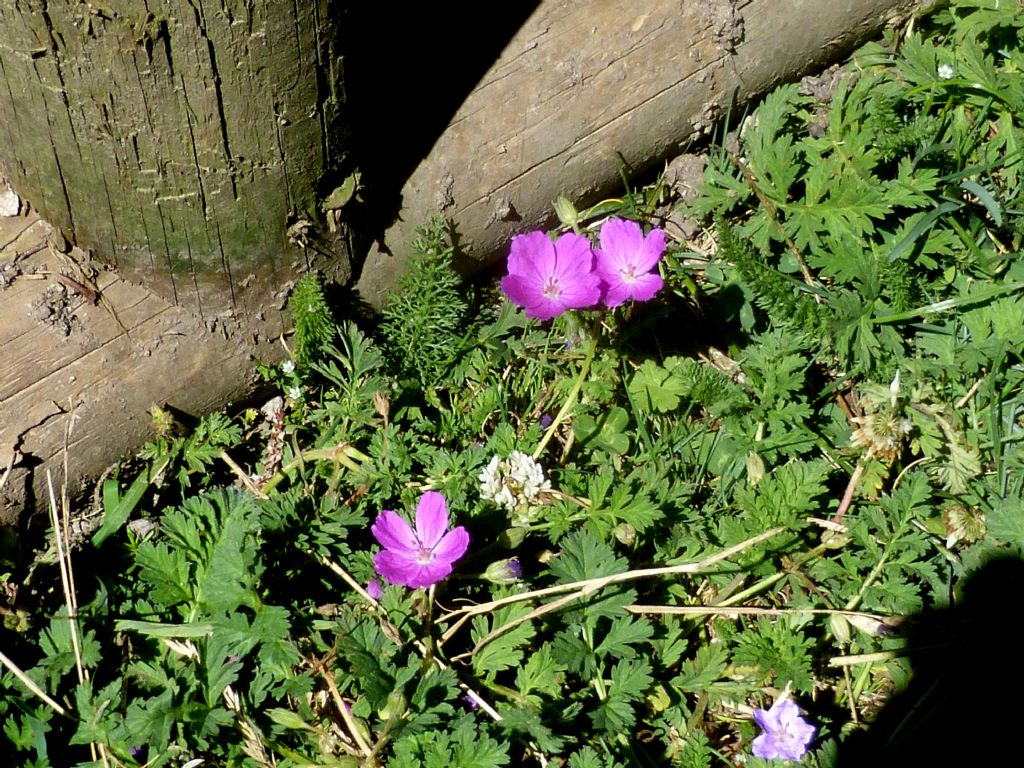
222 117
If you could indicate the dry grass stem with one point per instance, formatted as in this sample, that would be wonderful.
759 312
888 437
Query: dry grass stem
586 586
29 683
243 478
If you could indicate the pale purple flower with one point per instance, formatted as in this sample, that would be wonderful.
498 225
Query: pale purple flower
548 278
423 557
786 734
374 590
627 261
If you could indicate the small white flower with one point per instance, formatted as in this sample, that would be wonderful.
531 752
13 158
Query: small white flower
295 393
515 484
945 72
288 366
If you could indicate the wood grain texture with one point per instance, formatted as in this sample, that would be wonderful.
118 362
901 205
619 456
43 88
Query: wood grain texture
584 82
131 350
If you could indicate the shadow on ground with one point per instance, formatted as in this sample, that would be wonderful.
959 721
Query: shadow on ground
962 705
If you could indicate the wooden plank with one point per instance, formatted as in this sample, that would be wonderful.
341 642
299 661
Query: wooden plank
92 389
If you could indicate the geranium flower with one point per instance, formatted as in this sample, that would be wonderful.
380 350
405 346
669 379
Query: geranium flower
626 261
786 734
373 589
548 278
423 557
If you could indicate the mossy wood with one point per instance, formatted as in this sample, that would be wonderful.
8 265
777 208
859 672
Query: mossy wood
178 139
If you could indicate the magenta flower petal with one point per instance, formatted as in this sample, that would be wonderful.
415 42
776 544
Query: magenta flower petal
392 532
786 733
626 260
643 288
548 278
428 575
424 557
452 545
574 256
431 519
396 567
620 238
518 289
373 589
532 255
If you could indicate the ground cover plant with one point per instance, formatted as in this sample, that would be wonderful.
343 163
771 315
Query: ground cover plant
652 500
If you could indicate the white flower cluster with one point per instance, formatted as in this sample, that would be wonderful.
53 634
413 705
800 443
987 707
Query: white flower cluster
514 483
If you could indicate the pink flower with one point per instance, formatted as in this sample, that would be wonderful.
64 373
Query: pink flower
423 557
548 278
626 261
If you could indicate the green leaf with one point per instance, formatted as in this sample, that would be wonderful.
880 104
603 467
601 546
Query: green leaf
541 674
584 556
630 680
529 722
362 649
697 751
655 388
150 720
781 652
506 650
606 432
587 757
1006 522
624 633
117 508
704 669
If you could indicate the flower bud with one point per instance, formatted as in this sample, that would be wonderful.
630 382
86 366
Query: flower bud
625 533
755 468
512 537
840 628
566 211
395 706
505 571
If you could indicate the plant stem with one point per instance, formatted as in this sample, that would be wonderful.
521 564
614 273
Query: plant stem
570 400
344 454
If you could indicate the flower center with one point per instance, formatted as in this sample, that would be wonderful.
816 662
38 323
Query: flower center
551 289
424 556
628 274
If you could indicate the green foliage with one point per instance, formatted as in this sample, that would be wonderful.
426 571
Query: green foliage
811 435
311 316
424 319
780 654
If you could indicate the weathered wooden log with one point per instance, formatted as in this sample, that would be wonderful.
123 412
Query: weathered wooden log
84 358
187 146
584 83
177 140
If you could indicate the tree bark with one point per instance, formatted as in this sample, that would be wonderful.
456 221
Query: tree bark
177 139
584 84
